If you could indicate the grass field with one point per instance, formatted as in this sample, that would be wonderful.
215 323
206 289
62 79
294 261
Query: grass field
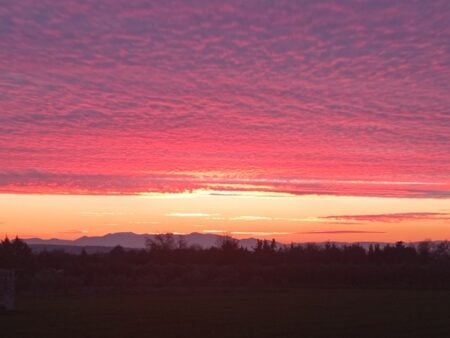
298 313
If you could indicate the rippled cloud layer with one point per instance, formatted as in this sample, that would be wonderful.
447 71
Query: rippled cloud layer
303 97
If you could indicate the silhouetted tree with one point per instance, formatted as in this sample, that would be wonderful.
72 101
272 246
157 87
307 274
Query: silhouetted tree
161 242
228 244
169 262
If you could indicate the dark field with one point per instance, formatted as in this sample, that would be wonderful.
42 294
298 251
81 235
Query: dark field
294 313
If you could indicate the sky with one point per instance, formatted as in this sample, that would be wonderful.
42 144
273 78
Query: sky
299 120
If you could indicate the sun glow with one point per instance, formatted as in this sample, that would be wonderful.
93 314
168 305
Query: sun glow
286 217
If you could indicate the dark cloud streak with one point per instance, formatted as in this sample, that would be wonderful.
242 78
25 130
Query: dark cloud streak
340 232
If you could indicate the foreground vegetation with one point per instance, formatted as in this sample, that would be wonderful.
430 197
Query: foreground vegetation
245 313
168 263
171 290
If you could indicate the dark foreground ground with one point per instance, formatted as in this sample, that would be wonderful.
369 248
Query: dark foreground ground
294 313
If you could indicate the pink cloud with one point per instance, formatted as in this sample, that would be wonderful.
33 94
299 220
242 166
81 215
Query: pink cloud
309 96
33 181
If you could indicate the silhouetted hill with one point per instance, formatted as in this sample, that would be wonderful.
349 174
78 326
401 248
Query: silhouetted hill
137 241
130 240
71 249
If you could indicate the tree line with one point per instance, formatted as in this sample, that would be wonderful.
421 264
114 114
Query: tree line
168 261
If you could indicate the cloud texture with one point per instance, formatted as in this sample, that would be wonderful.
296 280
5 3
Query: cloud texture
344 97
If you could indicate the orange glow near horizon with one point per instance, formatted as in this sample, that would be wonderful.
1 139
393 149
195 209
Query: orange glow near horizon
287 218
303 121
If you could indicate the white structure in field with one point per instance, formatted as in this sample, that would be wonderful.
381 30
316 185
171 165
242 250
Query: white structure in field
7 283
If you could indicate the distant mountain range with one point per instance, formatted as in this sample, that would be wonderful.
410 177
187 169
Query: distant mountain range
137 241
126 240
